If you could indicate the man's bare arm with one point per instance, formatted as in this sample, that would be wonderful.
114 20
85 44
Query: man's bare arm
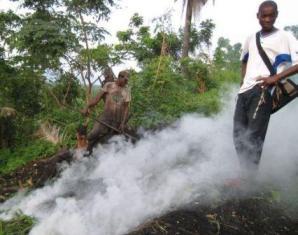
96 99
243 71
93 102
275 78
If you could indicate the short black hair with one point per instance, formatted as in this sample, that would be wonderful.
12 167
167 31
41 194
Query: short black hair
123 73
268 3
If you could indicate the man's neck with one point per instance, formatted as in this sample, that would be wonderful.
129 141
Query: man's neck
267 32
118 84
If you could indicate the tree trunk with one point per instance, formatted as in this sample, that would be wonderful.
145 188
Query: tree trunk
88 74
187 27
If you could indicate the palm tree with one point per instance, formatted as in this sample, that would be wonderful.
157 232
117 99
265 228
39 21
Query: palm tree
193 7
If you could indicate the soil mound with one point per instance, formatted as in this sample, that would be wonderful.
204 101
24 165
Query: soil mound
234 217
33 175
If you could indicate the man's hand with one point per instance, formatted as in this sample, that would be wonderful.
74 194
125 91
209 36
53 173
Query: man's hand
267 81
84 112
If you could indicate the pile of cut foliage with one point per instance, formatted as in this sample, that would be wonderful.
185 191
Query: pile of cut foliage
231 214
33 175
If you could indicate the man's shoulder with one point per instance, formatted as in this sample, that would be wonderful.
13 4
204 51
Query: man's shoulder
286 34
126 90
283 32
109 85
250 37
285 38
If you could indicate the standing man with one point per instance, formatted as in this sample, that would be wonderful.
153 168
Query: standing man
254 103
116 96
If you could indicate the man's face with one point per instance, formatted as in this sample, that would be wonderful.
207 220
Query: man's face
122 80
267 16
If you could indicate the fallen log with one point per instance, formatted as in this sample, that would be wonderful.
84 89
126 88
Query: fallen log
33 175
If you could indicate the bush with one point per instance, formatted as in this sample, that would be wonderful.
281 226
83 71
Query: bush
12 159
20 225
161 94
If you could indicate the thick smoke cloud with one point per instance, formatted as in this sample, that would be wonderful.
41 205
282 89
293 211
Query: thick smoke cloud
124 185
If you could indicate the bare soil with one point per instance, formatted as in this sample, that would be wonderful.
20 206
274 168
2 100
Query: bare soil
33 175
252 215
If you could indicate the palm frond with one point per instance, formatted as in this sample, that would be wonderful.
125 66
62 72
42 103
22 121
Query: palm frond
196 5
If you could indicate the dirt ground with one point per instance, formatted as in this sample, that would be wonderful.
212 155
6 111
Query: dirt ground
33 175
36 173
252 215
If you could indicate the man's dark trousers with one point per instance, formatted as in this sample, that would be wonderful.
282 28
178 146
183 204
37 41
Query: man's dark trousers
251 120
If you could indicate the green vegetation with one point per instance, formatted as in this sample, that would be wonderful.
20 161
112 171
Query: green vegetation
19 225
54 71
53 58
57 60
14 158
161 95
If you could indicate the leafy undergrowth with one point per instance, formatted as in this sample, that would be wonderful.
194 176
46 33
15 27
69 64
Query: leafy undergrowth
10 160
20 225
33 175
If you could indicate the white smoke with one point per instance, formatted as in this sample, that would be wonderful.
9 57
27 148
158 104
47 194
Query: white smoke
280 154
125 185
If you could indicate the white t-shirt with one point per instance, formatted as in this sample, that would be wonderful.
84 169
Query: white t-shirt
281 48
